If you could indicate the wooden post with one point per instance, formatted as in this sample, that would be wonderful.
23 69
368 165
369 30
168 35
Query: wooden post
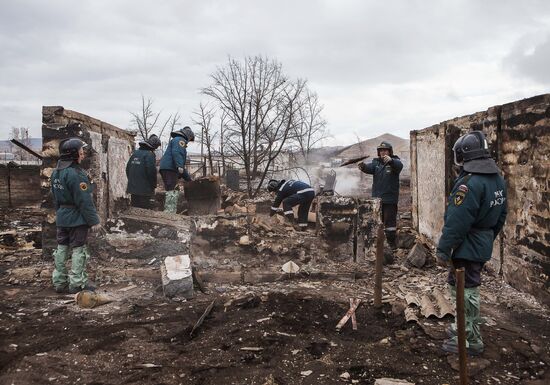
461 326
378 270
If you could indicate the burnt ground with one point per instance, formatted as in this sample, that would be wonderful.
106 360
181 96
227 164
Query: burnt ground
270 333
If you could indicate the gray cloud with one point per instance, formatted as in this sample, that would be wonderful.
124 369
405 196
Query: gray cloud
377 66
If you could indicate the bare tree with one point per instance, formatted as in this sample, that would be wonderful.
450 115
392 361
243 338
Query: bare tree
310 130
203 117
147 119
260 104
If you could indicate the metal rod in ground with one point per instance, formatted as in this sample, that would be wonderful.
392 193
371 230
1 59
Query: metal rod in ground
461 326
203 316
378 270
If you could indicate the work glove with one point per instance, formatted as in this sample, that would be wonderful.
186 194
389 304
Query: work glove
386 159
96 228
361 166
180 170
442 260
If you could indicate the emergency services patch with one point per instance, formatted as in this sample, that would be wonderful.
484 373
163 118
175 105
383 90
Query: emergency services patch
182 143
463 188
459 198
83 186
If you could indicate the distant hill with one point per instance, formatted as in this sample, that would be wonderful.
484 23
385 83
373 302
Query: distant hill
368 147
401 148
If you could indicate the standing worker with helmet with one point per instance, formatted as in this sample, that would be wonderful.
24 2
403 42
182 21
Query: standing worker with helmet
475 214
141 171
292 193
75 215
172 166
385 170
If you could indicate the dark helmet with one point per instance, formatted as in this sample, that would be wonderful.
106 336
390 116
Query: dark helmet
384 146
153 142
68 148
472 153
186 132
273 185
470 146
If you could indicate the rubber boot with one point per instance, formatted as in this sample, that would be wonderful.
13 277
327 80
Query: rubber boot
391 238
451 330
78 278
171 201
59 275
474 342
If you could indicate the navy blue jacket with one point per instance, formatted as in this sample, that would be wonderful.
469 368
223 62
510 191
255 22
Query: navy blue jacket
385 181
141 171
72 194
475 214
288 188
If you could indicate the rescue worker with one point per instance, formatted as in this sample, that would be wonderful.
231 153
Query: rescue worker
172 166
475 214
291 193
141 171
75 215
385 170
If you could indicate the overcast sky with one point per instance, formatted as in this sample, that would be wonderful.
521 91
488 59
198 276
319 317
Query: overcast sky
378 66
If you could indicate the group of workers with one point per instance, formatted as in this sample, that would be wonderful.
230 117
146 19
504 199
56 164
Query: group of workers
475 213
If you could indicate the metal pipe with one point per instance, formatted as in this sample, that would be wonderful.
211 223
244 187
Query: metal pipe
461 326
378 269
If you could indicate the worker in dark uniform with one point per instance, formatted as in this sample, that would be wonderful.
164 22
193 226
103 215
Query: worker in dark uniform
475 214
141 171
292 193
75 215
385 170
172 166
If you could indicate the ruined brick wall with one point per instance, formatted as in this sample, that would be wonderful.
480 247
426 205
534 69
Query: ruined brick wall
108 150
519 141
19 185
429 165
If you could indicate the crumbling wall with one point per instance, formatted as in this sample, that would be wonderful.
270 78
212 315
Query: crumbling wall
108 150
19 185
429 165
525 158
519 139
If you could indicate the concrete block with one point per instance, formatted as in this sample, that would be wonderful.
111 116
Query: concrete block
418 255
177 278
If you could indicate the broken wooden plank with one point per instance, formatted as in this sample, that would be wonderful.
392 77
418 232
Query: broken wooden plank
353 319
251 349
201 319
353 306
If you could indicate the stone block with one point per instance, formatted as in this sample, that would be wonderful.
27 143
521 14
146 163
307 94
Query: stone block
177 277
418 255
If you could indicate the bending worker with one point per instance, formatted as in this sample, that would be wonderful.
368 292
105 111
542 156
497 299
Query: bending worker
292 193
475 214
172 166
75 215
385 170
141 171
